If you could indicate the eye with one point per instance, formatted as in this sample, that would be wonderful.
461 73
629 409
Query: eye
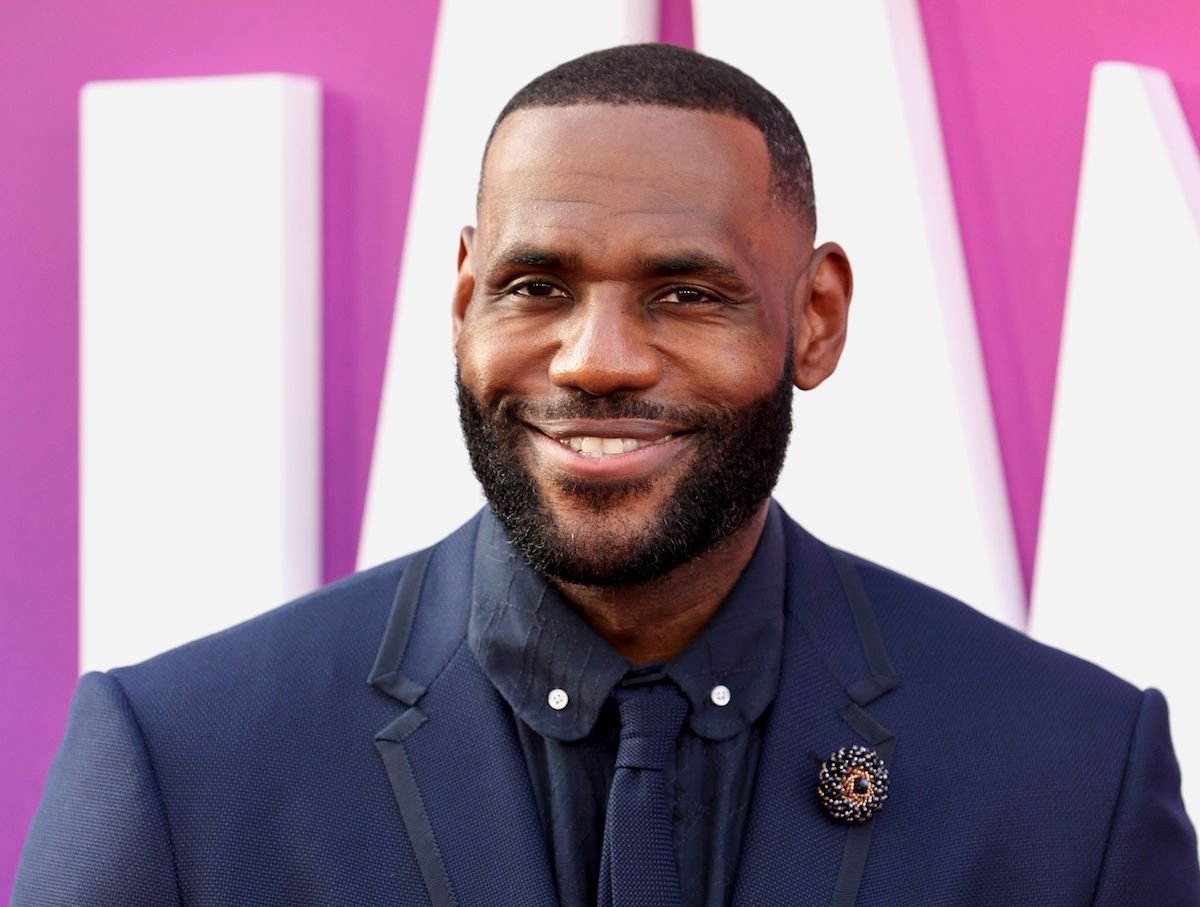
538 289
688 296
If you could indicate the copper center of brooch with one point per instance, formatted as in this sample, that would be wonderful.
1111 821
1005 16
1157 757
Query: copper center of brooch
857 787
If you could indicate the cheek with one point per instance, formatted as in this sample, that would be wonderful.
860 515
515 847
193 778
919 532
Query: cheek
470 356
736 371
491 363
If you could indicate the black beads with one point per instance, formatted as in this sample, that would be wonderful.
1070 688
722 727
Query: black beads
853 784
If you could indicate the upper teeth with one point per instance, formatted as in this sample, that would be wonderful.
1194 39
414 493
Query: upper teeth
591 446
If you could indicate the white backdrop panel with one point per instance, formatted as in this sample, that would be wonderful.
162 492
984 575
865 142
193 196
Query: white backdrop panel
199 284
421 485
1121 516
895 457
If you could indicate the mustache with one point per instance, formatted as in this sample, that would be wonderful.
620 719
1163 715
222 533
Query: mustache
614 406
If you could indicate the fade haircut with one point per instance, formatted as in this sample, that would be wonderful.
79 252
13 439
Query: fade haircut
662 75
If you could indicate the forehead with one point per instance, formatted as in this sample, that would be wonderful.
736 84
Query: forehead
637 173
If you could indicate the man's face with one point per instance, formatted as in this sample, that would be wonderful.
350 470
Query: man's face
624 320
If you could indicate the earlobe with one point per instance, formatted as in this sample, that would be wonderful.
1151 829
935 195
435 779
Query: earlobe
464 287
822 307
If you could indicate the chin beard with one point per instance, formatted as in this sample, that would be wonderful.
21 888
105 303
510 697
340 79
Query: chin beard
734 467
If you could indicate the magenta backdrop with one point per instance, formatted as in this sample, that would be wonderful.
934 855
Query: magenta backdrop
675 22
1012 82
373 57
1011 79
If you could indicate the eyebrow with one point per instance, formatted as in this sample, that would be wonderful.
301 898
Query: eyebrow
530 256
687 263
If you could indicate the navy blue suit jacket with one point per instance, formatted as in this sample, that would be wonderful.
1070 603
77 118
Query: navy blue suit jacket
259 766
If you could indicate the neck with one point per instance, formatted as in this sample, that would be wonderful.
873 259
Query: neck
654 621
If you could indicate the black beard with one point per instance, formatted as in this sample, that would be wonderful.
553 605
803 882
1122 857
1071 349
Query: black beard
737 461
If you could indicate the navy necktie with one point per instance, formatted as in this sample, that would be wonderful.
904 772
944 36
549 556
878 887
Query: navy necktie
637 860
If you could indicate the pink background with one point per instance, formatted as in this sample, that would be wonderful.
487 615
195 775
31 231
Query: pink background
1012 79
1011 83
373 58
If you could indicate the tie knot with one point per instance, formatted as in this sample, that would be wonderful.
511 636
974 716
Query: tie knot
651 717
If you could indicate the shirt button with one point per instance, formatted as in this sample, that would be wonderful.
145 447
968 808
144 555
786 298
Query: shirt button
558 699
720 694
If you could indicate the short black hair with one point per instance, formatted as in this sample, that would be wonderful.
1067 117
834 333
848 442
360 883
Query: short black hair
663 75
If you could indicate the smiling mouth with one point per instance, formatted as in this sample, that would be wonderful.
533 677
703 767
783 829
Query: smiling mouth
594 446
601 438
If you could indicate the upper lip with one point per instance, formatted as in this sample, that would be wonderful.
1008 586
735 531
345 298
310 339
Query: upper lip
639 429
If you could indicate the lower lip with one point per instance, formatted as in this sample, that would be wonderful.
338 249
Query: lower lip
634 464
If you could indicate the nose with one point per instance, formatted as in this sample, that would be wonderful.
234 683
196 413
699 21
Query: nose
605 348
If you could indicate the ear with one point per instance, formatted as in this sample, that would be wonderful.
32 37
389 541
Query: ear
821 308
464 287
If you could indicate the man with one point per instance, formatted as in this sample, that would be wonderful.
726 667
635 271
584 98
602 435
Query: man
633 679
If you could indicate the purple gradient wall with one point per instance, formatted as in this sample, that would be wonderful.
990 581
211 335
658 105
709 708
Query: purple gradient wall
373 57
1011 81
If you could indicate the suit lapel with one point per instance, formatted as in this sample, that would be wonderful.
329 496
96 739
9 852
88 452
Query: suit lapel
460 780
451 754
834 666
467 764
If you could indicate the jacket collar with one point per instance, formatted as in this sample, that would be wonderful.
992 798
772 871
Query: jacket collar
451 753
462 787
529 641
835 665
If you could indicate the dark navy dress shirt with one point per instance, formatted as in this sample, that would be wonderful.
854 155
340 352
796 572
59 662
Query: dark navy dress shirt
557 674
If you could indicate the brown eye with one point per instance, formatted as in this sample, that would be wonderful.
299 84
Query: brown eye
687 296
538 289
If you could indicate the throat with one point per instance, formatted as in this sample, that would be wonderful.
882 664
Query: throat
654 621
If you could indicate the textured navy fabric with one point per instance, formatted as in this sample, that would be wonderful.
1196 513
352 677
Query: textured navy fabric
637 864
239 769
105 753
242 769
468 765
530 641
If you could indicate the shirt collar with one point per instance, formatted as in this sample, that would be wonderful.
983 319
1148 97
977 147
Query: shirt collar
531 642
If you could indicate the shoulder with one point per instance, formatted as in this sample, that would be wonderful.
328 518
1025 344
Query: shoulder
310 652
327 630
933 637
152 751
1043 740
1022 714
940 644
264 733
